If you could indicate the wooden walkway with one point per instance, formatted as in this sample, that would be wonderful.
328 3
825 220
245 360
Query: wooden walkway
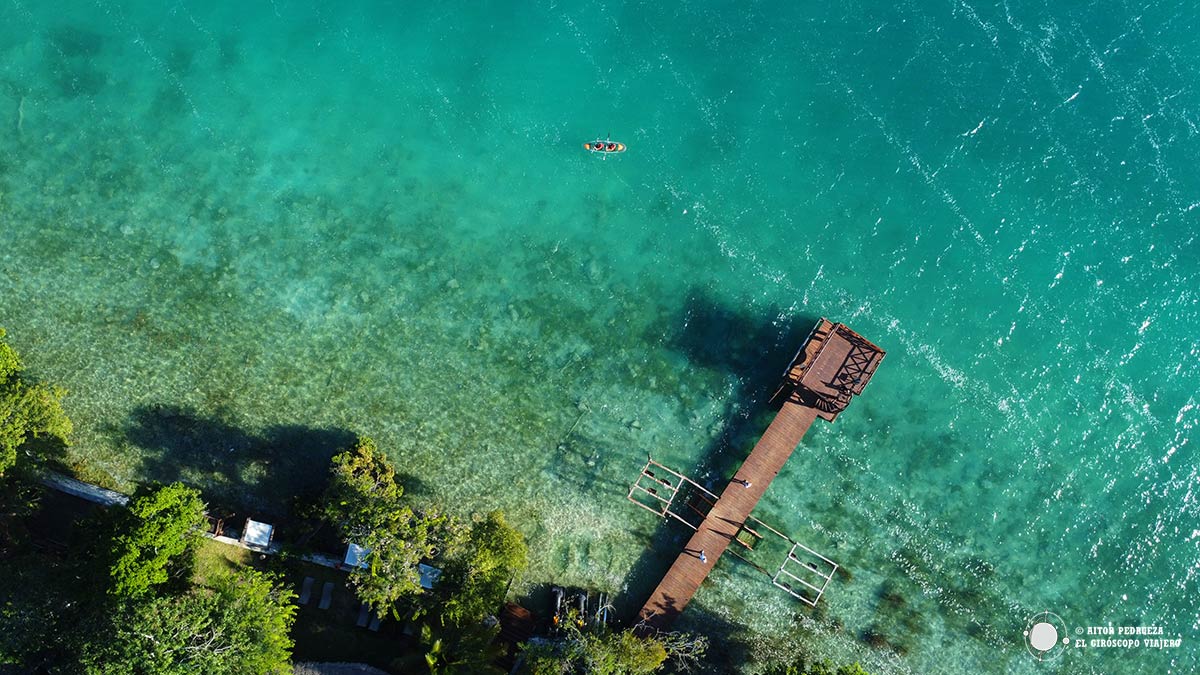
833 365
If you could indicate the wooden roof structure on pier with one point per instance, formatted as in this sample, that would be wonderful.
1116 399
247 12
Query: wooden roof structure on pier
832 366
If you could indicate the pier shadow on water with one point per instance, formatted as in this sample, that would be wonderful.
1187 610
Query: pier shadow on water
753 346
236 470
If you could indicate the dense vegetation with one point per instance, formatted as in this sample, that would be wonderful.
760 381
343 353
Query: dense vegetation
802 665
129 606
478 572
478 560
32 419
239 624
157 532
601 651
367 505
365 502
156 622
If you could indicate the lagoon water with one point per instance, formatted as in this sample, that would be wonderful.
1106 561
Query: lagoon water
234 226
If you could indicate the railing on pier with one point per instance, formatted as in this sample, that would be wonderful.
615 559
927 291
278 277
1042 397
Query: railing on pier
809 573
663 484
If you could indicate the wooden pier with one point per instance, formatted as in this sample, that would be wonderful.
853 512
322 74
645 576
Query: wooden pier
832 366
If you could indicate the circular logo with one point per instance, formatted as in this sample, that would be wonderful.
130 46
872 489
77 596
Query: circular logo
1046 635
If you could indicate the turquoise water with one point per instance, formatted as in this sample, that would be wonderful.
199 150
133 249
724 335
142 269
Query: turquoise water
226 226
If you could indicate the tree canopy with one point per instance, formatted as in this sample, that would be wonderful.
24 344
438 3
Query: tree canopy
478 576
364 501
803 666
458 650
606 652
159 526
620 653
362 488
232 623
10 361
239 625
28 411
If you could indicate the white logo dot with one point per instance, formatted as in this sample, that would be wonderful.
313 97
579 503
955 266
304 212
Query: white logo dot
1043 637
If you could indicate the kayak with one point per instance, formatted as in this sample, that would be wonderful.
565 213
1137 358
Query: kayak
604 147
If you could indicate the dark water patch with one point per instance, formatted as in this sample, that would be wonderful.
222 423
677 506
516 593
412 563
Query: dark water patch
118 179
979 567
180 58
898 623
730 645
169 101
74 79
820 613
581 464
844 575
75 42
70 55
662 206
229 51
663 545
751 343
963 595
875 637
414 485
890 597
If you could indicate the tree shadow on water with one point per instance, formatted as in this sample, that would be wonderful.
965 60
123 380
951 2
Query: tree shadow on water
752 345
237 470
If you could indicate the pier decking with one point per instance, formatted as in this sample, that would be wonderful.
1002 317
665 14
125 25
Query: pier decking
833 365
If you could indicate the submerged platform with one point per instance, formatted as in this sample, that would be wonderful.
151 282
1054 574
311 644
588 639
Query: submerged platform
832 366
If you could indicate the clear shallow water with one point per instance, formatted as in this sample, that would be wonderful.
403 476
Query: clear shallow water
231 223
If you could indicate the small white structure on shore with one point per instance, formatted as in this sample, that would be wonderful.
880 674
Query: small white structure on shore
257 534
429 575
356 556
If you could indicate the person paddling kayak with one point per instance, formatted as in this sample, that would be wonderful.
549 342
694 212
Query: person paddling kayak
607 146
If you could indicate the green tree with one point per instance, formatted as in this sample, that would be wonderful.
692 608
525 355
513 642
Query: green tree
356 474
803 666
239 626
364 501
31 414
457 650
10 361
478 576
605 652
620 653
153 537
544 658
